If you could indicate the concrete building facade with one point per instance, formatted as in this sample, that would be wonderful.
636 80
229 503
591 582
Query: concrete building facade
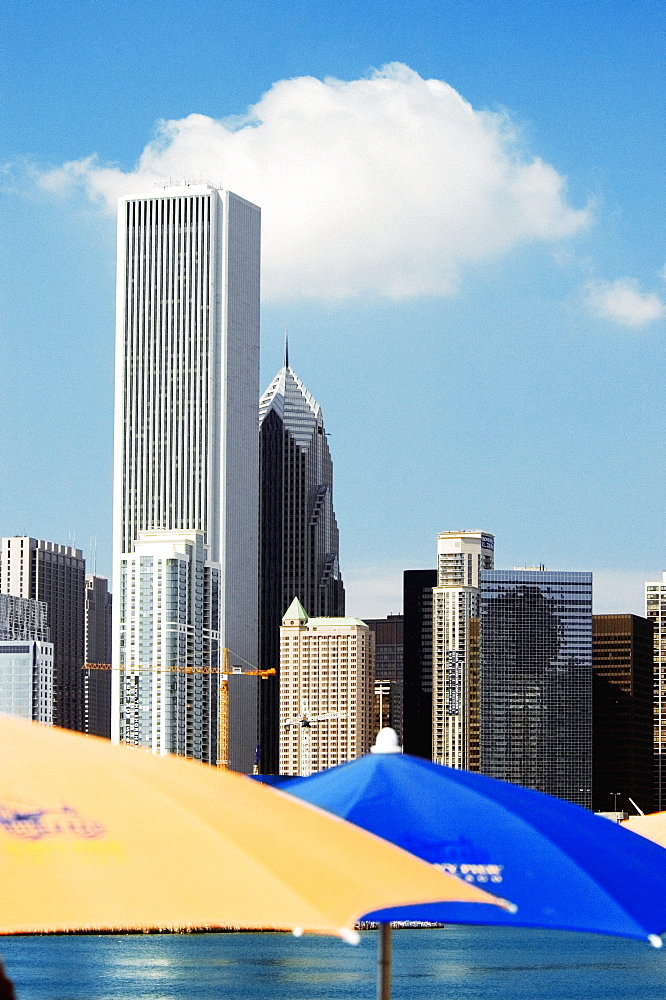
326 691
186 418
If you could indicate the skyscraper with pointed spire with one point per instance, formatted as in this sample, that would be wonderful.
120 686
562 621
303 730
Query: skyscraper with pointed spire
299 548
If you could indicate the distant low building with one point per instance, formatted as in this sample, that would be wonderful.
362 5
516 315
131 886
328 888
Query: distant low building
326 691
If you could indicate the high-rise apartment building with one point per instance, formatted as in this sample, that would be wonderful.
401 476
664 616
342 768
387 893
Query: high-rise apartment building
55 574
299 547
535 680
655 603
417 661
97 678
26 659
461 556
388 633
170 612
326 691
622 713
186 438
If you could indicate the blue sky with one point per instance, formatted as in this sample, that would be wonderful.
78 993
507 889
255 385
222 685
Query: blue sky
463 211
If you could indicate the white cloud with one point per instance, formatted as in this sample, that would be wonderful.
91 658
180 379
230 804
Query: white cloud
384 186
623 302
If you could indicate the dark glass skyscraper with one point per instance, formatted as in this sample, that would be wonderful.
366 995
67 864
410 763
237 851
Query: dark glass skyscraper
535 681
388 634
298 533
97 683
417 661
623 698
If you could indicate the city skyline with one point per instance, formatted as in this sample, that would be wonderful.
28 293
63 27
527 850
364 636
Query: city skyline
545 318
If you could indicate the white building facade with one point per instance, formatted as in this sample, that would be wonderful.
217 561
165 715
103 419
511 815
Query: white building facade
460 558
186 419
655 609
326 691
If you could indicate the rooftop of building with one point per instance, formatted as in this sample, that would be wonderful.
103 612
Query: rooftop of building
296 407
296 612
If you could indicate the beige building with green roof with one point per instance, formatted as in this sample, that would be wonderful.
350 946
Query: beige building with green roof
327 674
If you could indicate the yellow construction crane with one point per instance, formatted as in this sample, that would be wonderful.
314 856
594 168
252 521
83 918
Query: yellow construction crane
223 691
223 699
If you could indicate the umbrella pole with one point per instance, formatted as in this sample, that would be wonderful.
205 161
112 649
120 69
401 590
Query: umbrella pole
384 963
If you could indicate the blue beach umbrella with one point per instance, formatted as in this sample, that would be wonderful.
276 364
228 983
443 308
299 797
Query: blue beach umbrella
563 867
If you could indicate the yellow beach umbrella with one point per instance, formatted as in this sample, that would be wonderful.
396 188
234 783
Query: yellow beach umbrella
97 837
652 826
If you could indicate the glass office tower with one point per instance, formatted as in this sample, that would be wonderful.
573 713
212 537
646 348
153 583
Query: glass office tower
535 681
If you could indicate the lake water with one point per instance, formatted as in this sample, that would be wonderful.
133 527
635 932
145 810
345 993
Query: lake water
456 963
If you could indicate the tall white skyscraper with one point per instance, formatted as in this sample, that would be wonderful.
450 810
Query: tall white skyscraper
461 555
186 444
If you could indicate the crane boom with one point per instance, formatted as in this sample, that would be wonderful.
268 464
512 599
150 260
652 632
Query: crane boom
223 690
